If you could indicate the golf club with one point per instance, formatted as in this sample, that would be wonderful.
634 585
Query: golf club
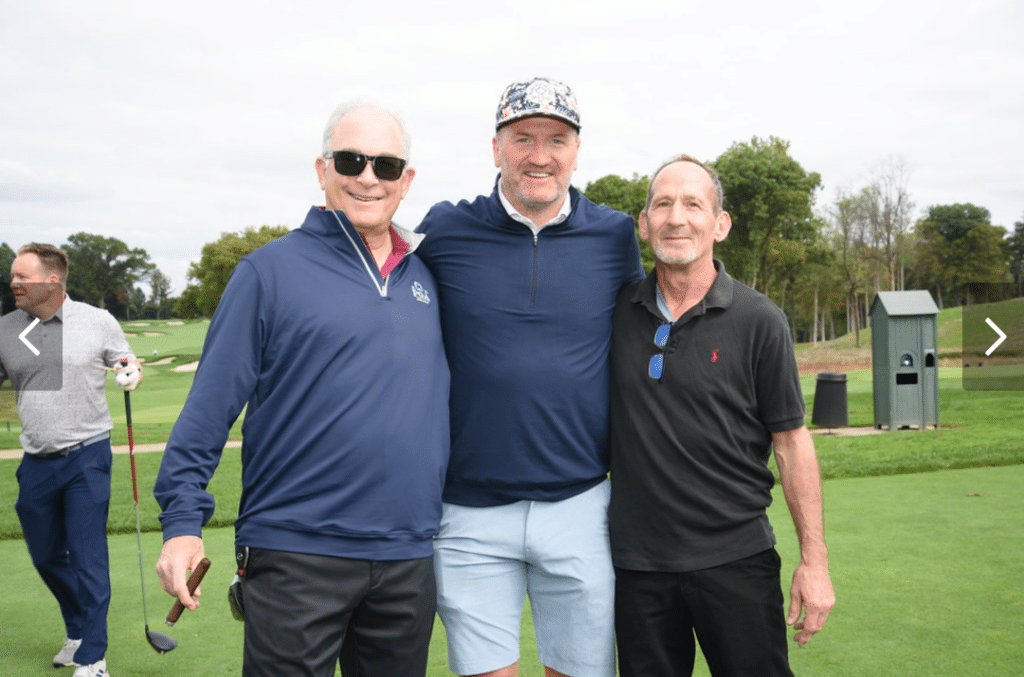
160 641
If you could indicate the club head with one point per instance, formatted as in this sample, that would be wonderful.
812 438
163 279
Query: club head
160 641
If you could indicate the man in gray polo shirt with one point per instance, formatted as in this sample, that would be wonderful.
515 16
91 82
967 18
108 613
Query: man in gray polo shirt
56 353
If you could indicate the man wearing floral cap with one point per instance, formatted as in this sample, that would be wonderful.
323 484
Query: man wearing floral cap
527 279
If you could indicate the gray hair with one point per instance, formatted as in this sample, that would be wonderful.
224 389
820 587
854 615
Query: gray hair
359 104
719 194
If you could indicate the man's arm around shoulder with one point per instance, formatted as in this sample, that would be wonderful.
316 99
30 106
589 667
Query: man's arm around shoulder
811 591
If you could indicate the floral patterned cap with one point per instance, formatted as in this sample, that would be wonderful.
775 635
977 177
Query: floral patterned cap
539 96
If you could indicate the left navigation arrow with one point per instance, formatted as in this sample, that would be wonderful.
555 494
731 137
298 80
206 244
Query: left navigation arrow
23 337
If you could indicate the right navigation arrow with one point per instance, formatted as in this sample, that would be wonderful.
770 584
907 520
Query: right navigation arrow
1002 336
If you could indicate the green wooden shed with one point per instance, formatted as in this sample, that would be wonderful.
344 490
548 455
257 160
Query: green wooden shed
904 352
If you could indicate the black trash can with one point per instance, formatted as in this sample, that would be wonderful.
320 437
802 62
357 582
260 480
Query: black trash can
830 405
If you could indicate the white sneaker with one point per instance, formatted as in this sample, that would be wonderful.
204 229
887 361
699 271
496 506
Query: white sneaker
97 669
66 657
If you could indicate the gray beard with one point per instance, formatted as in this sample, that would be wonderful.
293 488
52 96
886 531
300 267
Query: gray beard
683 259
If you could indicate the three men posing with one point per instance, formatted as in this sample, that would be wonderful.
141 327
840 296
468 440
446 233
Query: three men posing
527 279
343 485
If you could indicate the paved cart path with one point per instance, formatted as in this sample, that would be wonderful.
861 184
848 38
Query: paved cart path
16 453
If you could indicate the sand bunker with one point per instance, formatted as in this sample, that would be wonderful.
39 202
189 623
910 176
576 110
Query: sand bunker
191 366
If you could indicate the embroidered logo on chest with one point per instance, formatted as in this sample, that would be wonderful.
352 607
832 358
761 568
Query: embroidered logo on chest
714 356
419 293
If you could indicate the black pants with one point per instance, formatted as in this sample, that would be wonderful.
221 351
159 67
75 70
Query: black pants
735 610
307 613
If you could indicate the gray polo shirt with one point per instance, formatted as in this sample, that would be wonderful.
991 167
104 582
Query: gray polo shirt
61 402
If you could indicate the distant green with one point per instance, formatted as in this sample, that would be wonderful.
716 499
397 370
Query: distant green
158 401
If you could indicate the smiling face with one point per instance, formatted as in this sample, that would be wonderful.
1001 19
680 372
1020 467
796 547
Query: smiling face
369 202
683 220
537 157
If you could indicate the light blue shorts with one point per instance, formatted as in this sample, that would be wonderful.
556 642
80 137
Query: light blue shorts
488 559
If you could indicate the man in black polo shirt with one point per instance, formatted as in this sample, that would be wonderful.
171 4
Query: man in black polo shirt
704 384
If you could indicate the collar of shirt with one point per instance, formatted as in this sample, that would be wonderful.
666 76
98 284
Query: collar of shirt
56 317
563 212
399 248
663 304
649 294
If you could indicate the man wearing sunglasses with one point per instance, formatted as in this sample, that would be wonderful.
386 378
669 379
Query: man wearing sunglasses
704 384
528 278
330 338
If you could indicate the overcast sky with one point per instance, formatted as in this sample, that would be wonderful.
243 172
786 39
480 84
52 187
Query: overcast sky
165 124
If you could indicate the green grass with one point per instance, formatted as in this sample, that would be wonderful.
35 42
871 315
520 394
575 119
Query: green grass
926 569
225 486
209 640
980 428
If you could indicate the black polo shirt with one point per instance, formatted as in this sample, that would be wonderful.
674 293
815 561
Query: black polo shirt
689 450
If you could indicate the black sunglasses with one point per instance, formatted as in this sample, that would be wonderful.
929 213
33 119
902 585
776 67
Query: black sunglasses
386 168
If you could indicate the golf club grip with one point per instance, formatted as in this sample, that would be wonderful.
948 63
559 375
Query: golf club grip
193 582
127 401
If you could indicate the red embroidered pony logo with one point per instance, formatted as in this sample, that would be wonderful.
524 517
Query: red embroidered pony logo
714 356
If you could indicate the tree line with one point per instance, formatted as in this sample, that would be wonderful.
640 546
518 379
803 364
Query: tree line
824 266
104 272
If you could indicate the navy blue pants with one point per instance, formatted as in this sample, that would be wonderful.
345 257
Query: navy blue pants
735 610
63 504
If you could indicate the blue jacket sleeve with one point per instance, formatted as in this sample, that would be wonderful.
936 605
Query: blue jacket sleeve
225 379
635 263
